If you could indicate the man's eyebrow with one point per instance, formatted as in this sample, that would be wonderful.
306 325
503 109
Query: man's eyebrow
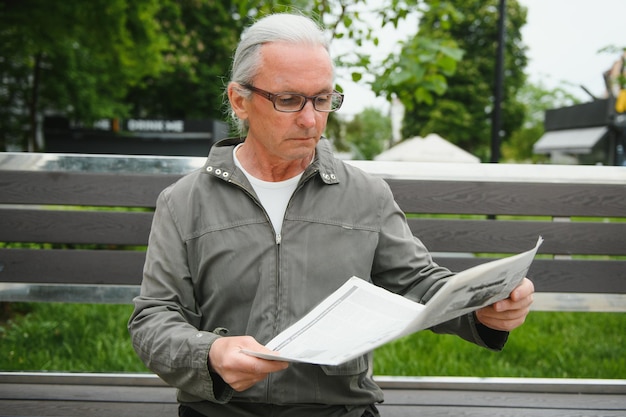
326 90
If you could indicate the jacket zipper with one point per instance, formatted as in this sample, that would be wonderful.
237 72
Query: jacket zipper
278 241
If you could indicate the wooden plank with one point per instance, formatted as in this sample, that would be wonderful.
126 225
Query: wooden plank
125 268
567 275
105 401
110 189
86 400
579 276
50 394
487 411
132 228
105 267
111 409
502 236
59 408
515 401
88 392
489 197
82 188
79 227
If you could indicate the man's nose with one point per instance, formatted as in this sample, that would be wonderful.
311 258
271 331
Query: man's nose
307 116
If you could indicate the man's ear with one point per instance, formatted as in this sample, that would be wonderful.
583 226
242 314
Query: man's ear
237 101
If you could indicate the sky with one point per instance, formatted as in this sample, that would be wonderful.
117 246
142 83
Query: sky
563 39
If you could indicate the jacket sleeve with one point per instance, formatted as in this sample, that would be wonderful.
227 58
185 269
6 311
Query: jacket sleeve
165 321
403 265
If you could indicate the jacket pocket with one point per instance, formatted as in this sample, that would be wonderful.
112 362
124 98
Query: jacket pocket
352 367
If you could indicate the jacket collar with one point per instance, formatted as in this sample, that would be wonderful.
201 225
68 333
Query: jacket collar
220 161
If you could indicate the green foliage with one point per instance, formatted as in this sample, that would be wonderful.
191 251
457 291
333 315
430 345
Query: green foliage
335 132
74 56
519 147
170 59
167 59
367 133
419 72
201 37
463 114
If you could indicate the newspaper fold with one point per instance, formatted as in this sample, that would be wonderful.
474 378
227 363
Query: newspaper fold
360 316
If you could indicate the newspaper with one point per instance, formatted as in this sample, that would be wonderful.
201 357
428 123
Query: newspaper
360 316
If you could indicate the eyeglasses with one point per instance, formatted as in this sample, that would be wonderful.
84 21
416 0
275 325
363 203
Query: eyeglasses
294 102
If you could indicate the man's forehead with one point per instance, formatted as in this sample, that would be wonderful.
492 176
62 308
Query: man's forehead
287 64
282 48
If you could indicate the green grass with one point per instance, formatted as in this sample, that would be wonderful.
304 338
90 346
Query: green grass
93 338
548 345
67 337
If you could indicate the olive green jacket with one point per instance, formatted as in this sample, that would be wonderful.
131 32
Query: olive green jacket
214 266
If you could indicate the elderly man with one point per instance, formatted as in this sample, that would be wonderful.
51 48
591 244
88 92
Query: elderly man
269 227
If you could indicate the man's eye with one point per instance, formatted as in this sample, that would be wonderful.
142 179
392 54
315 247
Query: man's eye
289 100
324 99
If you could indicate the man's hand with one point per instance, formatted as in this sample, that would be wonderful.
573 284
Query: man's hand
509 313
237 369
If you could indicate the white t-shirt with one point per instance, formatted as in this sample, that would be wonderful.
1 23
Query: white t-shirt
274 196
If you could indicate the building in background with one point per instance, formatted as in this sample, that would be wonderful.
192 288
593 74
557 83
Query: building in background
134 136
592 133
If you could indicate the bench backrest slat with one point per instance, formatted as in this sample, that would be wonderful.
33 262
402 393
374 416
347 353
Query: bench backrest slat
561 276
132 228
82 188
75 227
106 267
84 267
502 236
510 198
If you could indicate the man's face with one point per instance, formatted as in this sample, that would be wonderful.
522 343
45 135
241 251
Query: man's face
292 68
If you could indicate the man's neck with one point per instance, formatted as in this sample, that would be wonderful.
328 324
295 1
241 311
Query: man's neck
266 169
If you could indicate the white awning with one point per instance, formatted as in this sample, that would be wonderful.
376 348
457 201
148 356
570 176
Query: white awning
575 141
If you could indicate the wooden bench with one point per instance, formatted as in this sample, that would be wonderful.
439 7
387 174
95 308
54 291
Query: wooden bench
77 207
115 395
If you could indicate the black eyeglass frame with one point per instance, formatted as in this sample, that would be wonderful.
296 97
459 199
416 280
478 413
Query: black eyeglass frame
274 96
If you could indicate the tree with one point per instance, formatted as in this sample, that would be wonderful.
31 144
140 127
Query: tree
423 70
202 35
151 58
73 56
463 114
367 133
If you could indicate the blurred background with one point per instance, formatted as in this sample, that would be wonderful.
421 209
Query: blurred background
537 83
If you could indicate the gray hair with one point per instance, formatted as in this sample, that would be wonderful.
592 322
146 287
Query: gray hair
280 27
